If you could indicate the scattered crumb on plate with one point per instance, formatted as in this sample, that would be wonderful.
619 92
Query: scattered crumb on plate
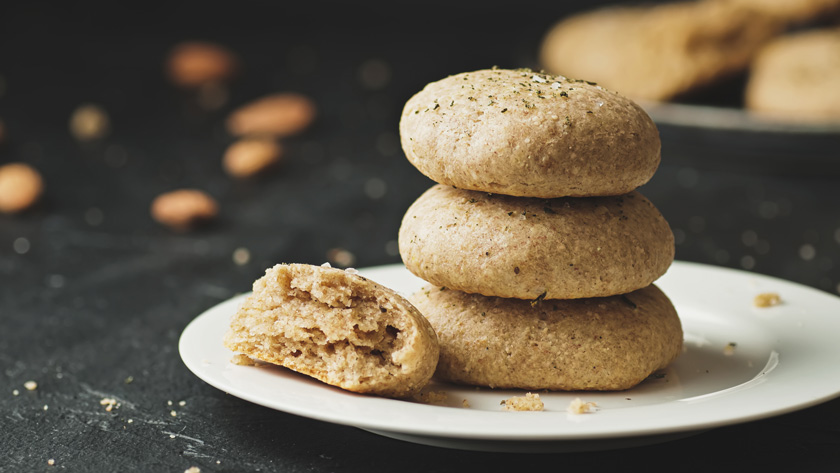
579 407
729 349
30 385
528 402
243 360
767 299
109 403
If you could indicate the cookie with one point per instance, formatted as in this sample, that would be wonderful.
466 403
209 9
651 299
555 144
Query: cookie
529 134
657 52
337 327
796 77
528 248
610 343
791 12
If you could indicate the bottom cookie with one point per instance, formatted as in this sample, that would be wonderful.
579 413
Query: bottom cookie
597 344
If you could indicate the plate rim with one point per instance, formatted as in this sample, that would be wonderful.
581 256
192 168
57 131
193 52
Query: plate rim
731 119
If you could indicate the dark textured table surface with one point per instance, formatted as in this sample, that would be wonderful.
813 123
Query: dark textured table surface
94 294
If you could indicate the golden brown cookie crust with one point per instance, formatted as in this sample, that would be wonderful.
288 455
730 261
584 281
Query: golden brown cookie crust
526 133
529 248
610 343
338 327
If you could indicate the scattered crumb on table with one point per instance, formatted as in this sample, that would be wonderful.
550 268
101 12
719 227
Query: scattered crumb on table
109 403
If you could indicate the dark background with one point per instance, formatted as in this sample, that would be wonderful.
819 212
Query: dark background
94 294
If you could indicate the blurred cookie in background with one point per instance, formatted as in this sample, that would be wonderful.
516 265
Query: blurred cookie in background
657 52
797 77
793 12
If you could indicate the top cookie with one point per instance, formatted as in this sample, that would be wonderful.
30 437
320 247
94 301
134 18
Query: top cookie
529 134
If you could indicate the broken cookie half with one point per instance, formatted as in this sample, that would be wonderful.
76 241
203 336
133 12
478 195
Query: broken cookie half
337 327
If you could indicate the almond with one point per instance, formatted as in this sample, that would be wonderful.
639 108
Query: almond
280 114
20 187
195 63
249 156
183 209
89 122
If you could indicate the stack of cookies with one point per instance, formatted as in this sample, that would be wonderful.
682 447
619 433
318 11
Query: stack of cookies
539 252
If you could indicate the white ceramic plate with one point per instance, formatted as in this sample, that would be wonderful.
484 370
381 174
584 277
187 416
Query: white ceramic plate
731 118
784 358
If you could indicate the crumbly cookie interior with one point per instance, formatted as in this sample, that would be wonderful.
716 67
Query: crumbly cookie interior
323 325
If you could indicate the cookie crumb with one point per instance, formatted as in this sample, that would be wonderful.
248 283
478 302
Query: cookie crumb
465 403
579 407
193 469
767 299
50 462
243 360
729 349
173 413
15 392
109 403
528 402
30 385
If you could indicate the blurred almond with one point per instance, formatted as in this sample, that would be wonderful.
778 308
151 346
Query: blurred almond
20 187
184 209
280 114
250 156
89 122
195 63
